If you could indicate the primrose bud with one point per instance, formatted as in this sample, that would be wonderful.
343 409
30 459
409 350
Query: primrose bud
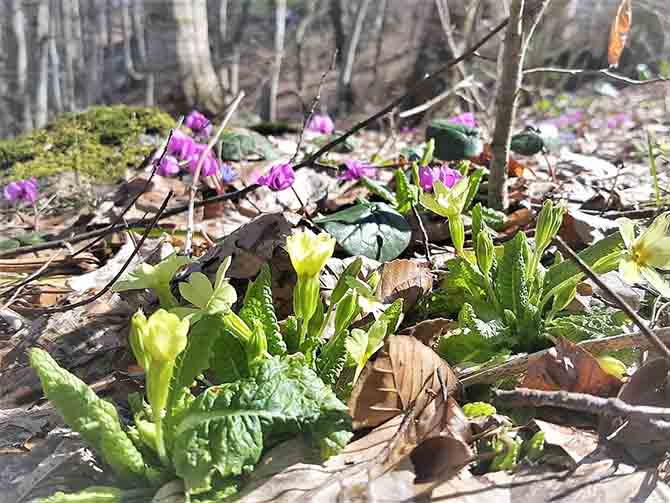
257 347
373 280
485 252
352 270
138 333
346 310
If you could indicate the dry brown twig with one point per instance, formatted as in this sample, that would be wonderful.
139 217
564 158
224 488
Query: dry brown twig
193 189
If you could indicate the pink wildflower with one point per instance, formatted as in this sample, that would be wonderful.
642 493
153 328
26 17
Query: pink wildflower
280 177
428 176
321 124
355 170
22 190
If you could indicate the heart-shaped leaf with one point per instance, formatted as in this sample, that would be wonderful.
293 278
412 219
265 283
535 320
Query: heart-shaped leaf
375 231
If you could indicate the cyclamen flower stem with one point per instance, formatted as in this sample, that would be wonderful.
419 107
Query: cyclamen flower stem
36 217
188 245
302 205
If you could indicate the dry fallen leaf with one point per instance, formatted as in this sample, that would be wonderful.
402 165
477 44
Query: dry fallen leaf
568 367
429 331
405 279
396 380
619 32
647 386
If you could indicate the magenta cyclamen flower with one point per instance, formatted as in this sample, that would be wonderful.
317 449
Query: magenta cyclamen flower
22 190
355 170
181 145
168 166
321 124
198 123
280 177
467 119
428 176
209 166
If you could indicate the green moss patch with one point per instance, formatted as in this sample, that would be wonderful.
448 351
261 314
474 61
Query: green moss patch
100 143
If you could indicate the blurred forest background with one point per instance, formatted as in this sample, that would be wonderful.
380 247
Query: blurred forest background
65 55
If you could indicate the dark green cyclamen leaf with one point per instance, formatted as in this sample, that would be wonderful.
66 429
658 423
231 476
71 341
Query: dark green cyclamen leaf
224 431
379 232
454 142
243 144
258 305
379 190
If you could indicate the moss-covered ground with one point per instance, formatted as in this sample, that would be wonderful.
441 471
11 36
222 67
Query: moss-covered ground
99 143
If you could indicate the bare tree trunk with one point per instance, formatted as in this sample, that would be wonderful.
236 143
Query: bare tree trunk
22 92
224 70
345 93
336 12
149 77
54 59
199 80
380 24
300 31
94 25
70 44
524 17
42 80
127 28
5 109
269 112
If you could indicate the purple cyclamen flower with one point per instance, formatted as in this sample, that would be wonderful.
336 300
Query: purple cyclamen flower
467 119
428 176
280 177
355 170
181 145
168 166
228 173
620 120
198 123
321 124
22 190
209 166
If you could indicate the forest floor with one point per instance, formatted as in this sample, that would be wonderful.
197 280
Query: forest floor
603 150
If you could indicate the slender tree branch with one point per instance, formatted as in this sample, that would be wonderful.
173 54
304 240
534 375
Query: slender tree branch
603 73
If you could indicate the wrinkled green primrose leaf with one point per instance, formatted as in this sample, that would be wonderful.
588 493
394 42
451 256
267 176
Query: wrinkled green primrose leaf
373 230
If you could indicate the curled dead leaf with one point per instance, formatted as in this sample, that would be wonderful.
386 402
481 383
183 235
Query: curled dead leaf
404 375
619 32
404 279
568 367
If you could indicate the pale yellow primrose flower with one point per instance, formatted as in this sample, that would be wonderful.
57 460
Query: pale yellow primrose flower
646 253
444 201
166 336
309 252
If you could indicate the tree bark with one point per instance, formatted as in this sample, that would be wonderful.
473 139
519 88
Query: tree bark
200 83
54 59
140 39
269 112
22 93
345 93
380 24
42 80
524 17
70 53
336 13
301 30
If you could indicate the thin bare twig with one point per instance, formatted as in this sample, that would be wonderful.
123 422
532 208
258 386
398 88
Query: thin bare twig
603 72
108 286
146 161
17 289
658 344
312 107
519 364
193 189
582 402
426 242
